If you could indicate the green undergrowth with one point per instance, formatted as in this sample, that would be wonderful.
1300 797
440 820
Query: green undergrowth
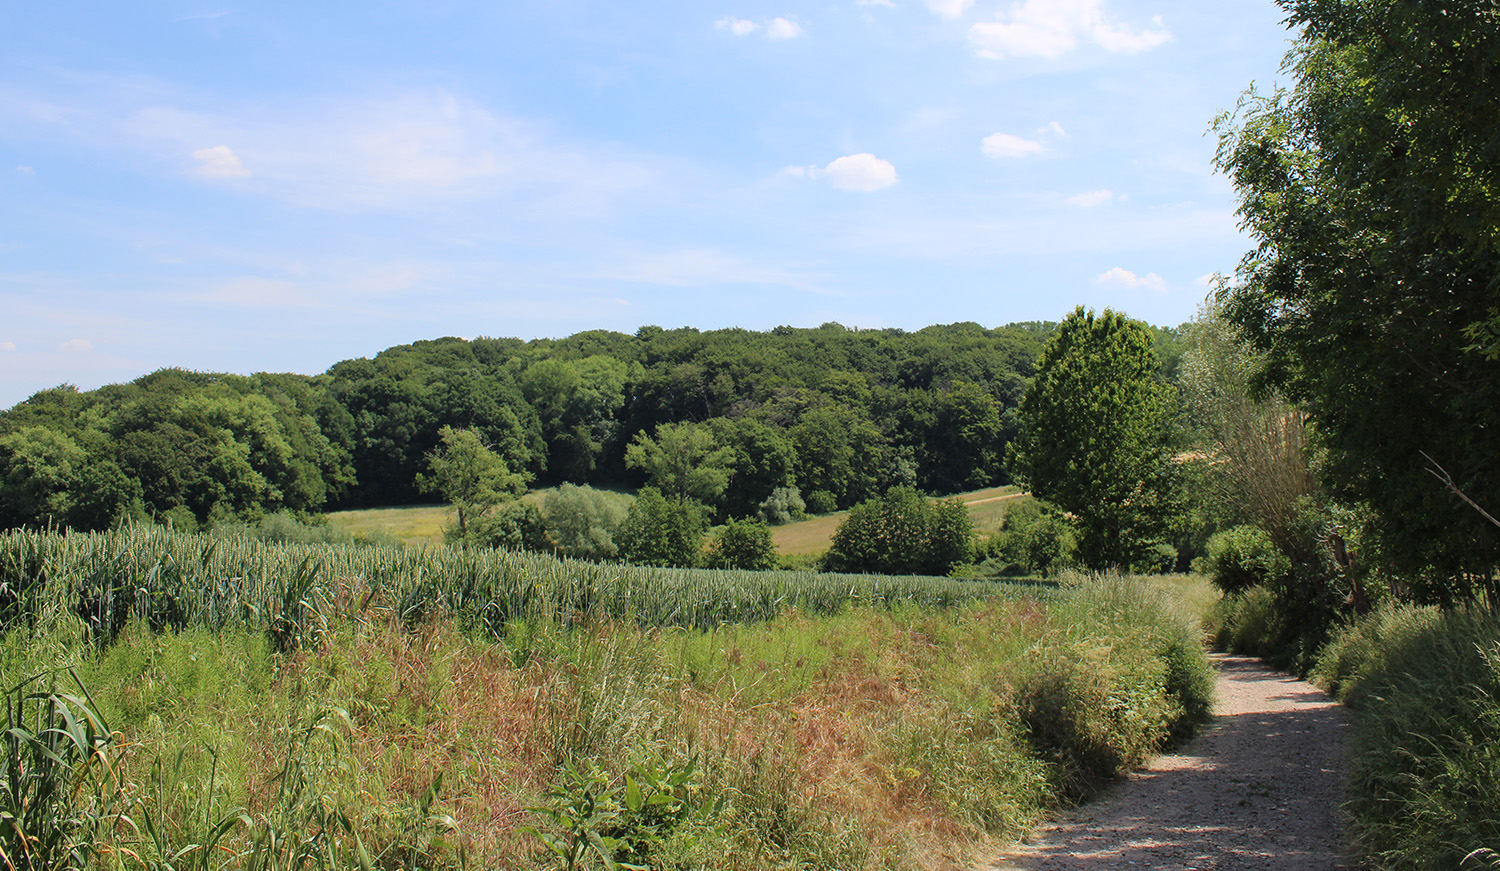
338 729
1424 687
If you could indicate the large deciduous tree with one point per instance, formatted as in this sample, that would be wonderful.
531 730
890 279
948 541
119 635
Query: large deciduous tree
1372 187
683 461
1095 437
470 476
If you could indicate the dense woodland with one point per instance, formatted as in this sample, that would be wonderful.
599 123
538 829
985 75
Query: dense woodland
840 414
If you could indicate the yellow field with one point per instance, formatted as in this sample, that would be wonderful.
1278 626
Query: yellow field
413 524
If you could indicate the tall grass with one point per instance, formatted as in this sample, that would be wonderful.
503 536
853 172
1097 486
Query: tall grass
1424 783
296 706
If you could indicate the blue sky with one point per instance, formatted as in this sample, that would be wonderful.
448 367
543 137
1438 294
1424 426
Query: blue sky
279 186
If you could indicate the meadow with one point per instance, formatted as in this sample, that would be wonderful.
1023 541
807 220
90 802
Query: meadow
423 524
184 701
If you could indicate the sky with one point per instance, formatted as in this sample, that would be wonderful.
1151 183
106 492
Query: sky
278 186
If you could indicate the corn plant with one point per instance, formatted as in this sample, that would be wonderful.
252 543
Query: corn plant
59 785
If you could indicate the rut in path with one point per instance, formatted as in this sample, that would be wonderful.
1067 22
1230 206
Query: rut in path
1257 789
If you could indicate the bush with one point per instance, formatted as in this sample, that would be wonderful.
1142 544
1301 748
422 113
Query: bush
509 526
582 522
1424 778
742 544
1244 557
662 532
1127 676
784 505
902 533
822 502
1034 539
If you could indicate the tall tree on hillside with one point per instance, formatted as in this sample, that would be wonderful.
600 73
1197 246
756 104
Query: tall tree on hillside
1094 438
1372 187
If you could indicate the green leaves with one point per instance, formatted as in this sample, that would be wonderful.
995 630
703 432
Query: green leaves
1372 187
1094 437
620 823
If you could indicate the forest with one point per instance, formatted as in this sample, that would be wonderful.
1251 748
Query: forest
840 414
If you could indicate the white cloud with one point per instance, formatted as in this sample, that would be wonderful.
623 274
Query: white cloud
1118 277
219 162
25 170
737 26
1052 28
1054 129
886 3
1091 199
1006 145
76 346
781 28
949 9
859 172
7 346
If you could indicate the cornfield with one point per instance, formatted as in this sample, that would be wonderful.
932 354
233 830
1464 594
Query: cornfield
168 579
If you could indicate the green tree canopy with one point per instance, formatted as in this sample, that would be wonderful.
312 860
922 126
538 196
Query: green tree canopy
470 476
1372 187
662 532
683 461
1094 438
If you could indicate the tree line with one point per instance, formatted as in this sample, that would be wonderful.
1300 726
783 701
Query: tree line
840 415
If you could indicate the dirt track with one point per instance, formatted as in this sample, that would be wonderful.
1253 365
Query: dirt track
1257 789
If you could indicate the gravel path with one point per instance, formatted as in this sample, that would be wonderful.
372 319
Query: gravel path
1257 789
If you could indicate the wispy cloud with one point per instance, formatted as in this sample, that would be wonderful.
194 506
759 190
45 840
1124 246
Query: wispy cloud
949 9
1052 28
76 346
1091 199
219 162
776 28
737 26
1119 277
782 28
389 151
862 172
1008 145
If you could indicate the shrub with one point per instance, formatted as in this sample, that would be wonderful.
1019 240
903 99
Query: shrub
509 526
784 505
1129 676
742 544
1244 557
822 502
902 533
582 522
1034 539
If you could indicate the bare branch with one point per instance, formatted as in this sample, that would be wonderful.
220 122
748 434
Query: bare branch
1441 474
